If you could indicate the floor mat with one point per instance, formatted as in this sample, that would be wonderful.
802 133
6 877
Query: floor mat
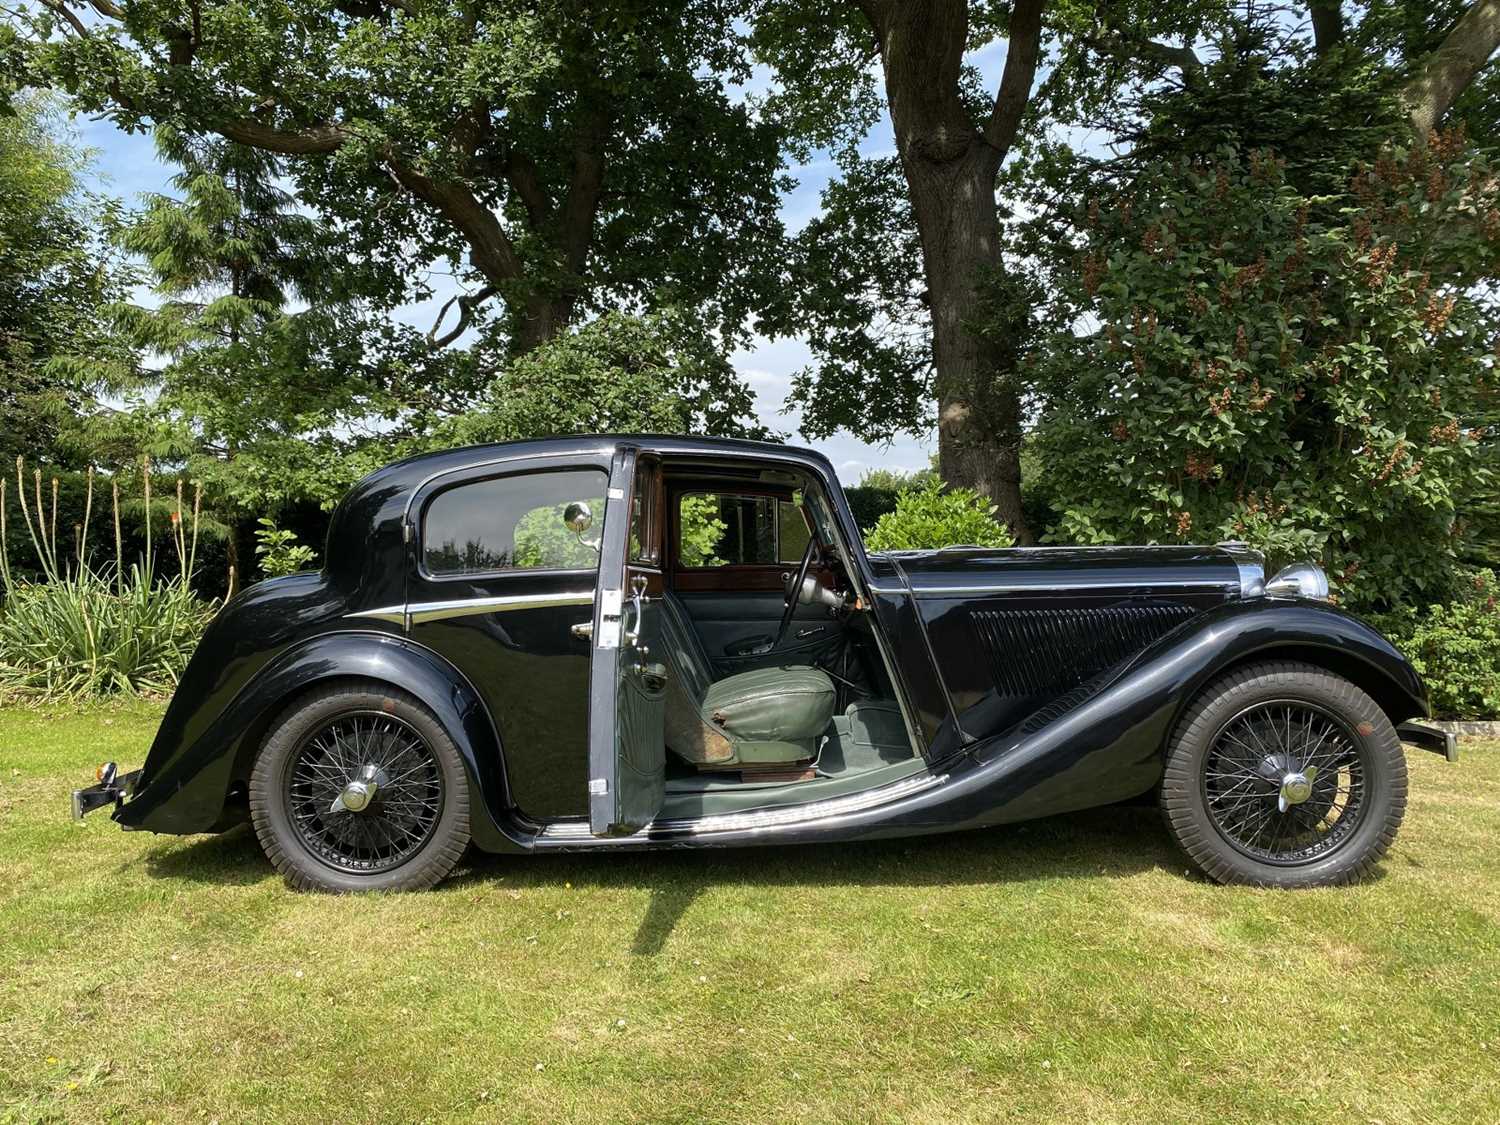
868 735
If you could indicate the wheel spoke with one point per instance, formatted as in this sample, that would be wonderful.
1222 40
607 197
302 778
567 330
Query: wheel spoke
1287 751
385 751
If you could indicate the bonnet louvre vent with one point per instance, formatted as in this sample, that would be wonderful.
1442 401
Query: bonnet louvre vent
1038 652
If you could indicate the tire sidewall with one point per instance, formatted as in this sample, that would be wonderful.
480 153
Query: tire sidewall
272 818
1385 790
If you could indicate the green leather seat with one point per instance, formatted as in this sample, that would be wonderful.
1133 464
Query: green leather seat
763 718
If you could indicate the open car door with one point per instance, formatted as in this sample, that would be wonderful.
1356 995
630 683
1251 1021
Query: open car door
627 690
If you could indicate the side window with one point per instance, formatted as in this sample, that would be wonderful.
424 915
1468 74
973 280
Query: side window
513 523
645 520
724 529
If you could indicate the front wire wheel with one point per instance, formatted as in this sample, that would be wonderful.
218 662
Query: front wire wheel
1286 775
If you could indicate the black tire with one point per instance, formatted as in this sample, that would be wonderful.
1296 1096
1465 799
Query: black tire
434 837
1203 810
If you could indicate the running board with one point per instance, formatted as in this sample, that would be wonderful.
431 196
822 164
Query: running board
1430 738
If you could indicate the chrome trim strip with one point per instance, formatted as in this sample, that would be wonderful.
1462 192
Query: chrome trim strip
418 612
395 614
762 818
1082 584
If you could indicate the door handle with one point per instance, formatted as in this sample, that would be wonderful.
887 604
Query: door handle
803 634
584 630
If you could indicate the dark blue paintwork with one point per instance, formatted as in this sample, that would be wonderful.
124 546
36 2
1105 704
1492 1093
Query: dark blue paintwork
504 690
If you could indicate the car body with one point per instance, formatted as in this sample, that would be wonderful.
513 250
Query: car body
633 690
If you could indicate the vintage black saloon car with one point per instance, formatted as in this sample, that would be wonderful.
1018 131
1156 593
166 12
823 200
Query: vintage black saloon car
647 642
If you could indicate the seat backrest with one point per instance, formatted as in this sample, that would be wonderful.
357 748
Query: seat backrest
684 649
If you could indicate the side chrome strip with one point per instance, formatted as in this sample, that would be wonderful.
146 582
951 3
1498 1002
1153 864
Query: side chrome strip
1105 583
763 818
418 612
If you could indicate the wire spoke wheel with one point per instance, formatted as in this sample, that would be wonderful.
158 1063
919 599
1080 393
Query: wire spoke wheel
1285 782
364 792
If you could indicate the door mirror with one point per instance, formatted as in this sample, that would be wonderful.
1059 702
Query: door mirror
578 517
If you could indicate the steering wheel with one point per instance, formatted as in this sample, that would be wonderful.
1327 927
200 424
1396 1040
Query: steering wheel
792 594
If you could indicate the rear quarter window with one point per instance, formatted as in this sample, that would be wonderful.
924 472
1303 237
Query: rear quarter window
513 523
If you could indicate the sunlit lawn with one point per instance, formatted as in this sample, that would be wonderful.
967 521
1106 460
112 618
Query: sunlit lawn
1068 969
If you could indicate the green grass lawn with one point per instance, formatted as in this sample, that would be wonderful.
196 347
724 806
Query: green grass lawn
1066 969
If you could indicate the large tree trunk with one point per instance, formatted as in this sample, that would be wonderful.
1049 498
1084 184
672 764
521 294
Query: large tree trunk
950 166
979 403
1447 72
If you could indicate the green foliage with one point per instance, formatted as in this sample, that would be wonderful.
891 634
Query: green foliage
1297 372
278 550
1455 648
701 530
56 271
929 516
877 491
544 540
659 373
559 160
82 631
85 635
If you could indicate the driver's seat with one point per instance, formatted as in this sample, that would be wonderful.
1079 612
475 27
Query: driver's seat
767 718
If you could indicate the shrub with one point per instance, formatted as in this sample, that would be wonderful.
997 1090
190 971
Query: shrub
280 553
1251 362
929 516
1456 649
78 632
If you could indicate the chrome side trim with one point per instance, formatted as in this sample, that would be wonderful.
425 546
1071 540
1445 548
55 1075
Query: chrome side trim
762 818
1080 584
418 612
395 614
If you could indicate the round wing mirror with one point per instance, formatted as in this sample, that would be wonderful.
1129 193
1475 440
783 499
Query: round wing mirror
578 516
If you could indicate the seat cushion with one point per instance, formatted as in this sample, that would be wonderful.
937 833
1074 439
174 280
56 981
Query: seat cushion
792 704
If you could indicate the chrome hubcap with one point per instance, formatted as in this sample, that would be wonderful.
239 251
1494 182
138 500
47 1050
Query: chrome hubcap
1285 782
1297 787
361 791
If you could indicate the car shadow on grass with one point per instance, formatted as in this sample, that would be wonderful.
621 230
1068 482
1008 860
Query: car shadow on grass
1114 842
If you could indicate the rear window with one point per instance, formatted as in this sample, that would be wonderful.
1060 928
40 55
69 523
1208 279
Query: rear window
513 523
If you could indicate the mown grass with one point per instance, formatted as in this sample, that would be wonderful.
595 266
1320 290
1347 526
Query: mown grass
1068 969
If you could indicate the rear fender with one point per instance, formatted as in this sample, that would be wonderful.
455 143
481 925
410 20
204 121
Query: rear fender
189 795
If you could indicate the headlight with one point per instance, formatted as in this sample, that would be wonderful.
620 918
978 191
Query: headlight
1300 580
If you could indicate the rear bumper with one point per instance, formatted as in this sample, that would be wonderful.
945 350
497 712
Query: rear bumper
111 791
1430 738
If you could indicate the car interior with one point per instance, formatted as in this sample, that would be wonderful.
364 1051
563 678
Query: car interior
776 676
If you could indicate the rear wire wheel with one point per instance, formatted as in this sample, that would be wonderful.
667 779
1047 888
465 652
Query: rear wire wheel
360 788
1284 775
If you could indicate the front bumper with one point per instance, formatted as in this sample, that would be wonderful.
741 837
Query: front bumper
113 787
1432 738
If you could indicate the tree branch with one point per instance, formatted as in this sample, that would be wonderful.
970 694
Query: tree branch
1015 82
1447 72
490 248
466 303
582 201
308 141
1184 59
521 175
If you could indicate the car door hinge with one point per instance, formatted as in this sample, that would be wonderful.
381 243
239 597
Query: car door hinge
598 787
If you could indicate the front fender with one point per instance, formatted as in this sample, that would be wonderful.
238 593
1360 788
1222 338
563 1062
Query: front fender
1109 747
187 791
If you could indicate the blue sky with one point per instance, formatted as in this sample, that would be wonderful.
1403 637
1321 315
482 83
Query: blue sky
126 165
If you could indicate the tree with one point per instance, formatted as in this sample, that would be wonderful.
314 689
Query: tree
1106 62
56 270
563 158
951 139
1269 368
